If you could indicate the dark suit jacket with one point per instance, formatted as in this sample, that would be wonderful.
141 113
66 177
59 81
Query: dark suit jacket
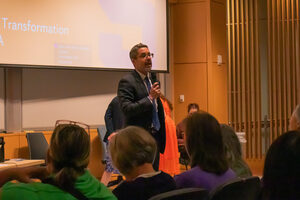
137 108
114 118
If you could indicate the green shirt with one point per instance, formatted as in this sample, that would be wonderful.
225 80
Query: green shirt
87 184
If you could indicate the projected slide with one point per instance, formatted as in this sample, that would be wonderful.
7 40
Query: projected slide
77 33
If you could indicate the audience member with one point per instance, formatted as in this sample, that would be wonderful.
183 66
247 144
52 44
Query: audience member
295 119
234 152
281 177
114 120
65 174
206 150
169 160
132 151
180 130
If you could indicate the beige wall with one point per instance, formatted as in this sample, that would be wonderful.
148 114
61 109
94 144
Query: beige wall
198 36
48 95
36 98
1 99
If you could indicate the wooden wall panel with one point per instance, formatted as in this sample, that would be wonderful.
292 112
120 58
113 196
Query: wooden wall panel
189 1
199 35
23 147
281 50
218 88
223 2
11 146
189 32
191 81
244 72
218 32
217 74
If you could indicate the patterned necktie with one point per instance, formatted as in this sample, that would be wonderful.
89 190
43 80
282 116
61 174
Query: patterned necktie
155 120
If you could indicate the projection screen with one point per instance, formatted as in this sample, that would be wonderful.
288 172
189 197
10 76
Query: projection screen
86 34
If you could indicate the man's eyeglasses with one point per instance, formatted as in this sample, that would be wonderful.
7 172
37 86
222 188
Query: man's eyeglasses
145 55
82 125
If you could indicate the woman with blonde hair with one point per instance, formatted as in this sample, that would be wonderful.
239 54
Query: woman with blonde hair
133 150
65 176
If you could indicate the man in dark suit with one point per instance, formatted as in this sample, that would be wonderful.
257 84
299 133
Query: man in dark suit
139 98
114 119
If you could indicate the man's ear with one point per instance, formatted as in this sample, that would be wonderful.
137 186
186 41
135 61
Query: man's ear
133 60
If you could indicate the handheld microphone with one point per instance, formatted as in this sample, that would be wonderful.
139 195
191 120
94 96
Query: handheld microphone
154 78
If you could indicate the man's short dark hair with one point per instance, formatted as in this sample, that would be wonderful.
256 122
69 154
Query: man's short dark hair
193 105
134 50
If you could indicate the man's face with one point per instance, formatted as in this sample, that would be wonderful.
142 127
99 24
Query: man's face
143 61
193 110
293 125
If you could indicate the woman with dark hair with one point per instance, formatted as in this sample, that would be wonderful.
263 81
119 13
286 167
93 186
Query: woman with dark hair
234 152
206 150
281 178
65 176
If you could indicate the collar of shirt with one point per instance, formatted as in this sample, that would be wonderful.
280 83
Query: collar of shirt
143 76
148 175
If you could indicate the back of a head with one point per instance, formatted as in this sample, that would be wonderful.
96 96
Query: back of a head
234 152
204 143
281 178
194 107
231 142
132 147
69 153
294 123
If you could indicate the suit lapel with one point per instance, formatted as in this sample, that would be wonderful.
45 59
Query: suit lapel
140 83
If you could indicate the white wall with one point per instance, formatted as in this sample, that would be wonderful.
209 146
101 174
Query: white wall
48 95
2 99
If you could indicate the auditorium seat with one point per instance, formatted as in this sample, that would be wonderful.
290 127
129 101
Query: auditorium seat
185 193
37 145
238 189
